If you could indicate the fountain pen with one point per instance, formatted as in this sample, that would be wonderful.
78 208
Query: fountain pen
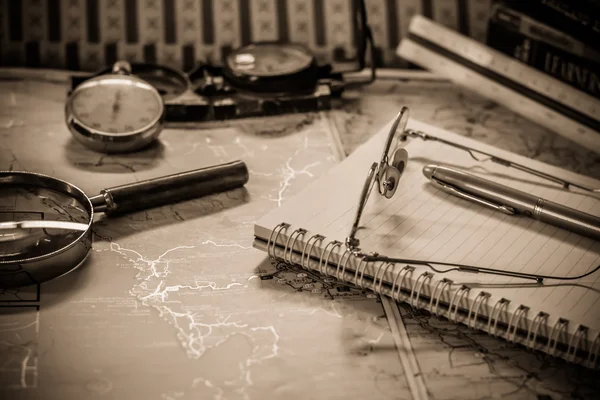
512 201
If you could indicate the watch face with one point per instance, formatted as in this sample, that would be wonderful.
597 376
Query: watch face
117 105
265 60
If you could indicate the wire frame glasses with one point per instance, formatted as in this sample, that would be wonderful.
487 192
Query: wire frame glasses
385 176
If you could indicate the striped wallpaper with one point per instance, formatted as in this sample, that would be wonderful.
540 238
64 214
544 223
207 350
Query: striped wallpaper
90 34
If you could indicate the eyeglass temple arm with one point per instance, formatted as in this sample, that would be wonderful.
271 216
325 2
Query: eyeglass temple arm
498 160
472 269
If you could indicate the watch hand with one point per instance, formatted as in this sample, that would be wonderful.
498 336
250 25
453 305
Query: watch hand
116 105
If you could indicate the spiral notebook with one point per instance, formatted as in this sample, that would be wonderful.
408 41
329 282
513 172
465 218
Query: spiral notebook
561 318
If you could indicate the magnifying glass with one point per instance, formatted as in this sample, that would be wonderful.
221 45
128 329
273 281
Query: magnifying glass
45 222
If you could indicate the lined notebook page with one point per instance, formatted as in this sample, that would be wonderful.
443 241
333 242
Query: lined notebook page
425 223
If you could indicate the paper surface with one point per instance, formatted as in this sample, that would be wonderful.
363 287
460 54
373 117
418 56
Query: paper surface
173 302
425 223
158 280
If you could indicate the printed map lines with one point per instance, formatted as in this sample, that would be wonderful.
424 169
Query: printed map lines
195 332
505 374
19 331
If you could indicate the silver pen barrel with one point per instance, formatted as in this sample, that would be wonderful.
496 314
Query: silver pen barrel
568 218
522 203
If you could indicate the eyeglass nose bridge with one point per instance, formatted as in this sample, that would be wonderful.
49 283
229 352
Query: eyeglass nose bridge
390 174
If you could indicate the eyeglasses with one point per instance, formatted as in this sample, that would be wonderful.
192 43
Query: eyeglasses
386 175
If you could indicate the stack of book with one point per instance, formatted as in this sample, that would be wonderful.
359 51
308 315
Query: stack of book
558 37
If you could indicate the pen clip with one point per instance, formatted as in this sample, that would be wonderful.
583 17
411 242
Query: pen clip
457 192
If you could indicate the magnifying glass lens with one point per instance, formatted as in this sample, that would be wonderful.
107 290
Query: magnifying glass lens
45 223
36 221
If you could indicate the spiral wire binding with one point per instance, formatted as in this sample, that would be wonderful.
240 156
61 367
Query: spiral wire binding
593 354
537 322
495 314
335 244
479 299
344 258
404 272
360 268
426 276
579 335
463 290
384 271
310 242
559 327
356 272
445 282
272 242
518 315
295 234
399 282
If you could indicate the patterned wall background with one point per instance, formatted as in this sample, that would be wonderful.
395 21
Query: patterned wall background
90 34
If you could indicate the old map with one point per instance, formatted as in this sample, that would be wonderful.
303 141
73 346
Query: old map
175 304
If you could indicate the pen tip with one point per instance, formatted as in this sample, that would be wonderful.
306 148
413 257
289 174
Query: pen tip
428 170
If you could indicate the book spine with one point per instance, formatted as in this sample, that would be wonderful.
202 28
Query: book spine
537 30
571 69
581 18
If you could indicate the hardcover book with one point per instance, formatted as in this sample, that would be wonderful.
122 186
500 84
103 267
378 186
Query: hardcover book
578 71
537 30
580 18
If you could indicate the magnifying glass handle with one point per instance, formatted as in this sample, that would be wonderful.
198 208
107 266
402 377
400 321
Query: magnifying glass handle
171 189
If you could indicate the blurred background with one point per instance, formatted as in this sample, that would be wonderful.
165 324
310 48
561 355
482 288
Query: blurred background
90 34
557 38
